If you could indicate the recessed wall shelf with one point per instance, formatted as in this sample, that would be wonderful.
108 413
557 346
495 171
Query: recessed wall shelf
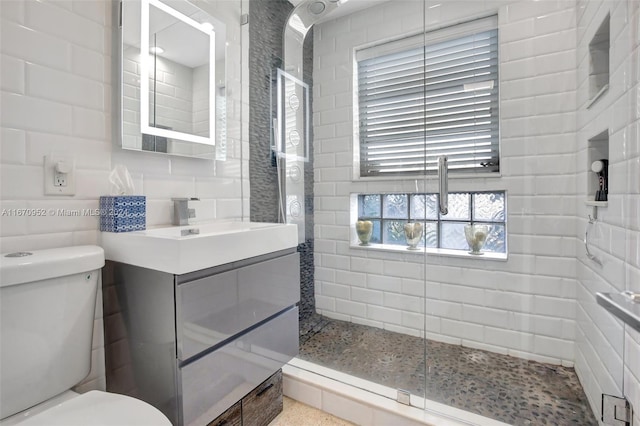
598 153
599 48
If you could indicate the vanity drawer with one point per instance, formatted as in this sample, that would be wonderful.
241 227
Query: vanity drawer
264 403
231 417
215 308
213 383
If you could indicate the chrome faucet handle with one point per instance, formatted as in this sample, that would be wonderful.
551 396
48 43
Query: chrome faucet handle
181 211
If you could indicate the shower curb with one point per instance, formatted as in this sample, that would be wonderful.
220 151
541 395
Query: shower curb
367 403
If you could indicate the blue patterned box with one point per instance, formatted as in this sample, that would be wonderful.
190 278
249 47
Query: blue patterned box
123 213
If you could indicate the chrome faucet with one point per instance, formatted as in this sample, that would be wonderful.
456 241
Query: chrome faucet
181 211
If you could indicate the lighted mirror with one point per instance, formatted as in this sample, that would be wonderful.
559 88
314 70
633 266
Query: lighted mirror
173 78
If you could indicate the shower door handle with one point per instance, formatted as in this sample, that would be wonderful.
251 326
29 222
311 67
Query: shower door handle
443 184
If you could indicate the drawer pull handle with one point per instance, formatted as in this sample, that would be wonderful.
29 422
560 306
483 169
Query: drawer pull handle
263 390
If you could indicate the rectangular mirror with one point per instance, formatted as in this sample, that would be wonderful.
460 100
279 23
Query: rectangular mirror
180 107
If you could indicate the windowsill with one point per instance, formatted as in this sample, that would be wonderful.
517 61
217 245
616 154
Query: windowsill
432 252
426 178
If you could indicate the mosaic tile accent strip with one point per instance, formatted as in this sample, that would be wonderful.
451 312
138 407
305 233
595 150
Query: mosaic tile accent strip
505 388
267 20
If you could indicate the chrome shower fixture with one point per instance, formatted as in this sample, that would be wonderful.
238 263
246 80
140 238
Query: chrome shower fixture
317 7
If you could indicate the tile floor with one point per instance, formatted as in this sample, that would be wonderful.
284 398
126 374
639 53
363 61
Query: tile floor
501 387
296 413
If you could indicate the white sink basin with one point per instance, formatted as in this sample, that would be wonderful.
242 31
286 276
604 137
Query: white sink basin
183 249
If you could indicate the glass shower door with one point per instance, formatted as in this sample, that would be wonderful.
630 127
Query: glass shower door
513 329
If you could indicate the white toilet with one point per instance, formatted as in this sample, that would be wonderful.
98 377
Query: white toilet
47 304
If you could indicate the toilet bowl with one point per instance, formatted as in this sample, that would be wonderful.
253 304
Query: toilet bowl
47 308
94 408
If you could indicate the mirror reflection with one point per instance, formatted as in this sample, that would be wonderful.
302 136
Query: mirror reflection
182 51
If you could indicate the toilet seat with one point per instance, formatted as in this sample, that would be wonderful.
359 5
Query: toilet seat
96 408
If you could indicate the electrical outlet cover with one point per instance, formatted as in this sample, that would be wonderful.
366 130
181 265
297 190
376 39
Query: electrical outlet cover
50 162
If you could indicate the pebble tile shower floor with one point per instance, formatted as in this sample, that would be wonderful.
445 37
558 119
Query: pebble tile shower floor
501 387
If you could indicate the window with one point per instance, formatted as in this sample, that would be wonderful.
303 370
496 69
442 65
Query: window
389 213
430 95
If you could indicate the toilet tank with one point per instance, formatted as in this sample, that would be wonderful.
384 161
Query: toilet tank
47 309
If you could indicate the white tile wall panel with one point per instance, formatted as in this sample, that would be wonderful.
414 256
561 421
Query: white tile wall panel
34 46
509 339
599 338
336 290
13 77
462 330
353 309
384 315
64 87
371 323
18 112
419 288
485 316
539 93
50 18
403 302
384 283
371 297
13 146
351 278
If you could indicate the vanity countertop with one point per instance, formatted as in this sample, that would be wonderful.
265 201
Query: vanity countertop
183 249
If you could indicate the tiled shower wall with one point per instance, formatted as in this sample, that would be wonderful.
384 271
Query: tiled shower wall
524 306
608 354
267 21
58 84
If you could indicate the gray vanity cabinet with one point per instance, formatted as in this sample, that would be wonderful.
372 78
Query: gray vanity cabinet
193 345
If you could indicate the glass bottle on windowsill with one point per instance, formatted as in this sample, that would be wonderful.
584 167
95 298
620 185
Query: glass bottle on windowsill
413 234
476 236
364 228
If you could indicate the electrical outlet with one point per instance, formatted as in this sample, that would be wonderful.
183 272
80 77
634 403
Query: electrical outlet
60 179
59 174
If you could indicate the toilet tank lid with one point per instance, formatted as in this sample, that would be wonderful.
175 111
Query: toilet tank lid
50 263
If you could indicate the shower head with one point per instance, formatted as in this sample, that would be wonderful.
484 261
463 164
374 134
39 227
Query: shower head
317 7
300 21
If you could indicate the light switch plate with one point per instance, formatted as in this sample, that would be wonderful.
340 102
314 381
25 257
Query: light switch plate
50 187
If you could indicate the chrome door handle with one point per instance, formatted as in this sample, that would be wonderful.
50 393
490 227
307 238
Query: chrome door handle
443 183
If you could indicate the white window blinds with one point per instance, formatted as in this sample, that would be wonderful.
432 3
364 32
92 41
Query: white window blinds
427 96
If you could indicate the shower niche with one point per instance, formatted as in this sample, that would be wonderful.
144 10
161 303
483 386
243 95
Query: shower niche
599 49
598 170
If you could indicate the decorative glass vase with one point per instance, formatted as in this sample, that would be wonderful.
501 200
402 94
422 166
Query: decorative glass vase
364 228
413 234
476 236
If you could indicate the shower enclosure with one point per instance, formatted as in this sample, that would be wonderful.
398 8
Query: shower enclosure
461 136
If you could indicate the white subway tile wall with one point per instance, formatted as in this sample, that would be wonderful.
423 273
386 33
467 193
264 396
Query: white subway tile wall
606 350
540 303
493 304
57 95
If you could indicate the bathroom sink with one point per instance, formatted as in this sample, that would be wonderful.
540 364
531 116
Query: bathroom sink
183 249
